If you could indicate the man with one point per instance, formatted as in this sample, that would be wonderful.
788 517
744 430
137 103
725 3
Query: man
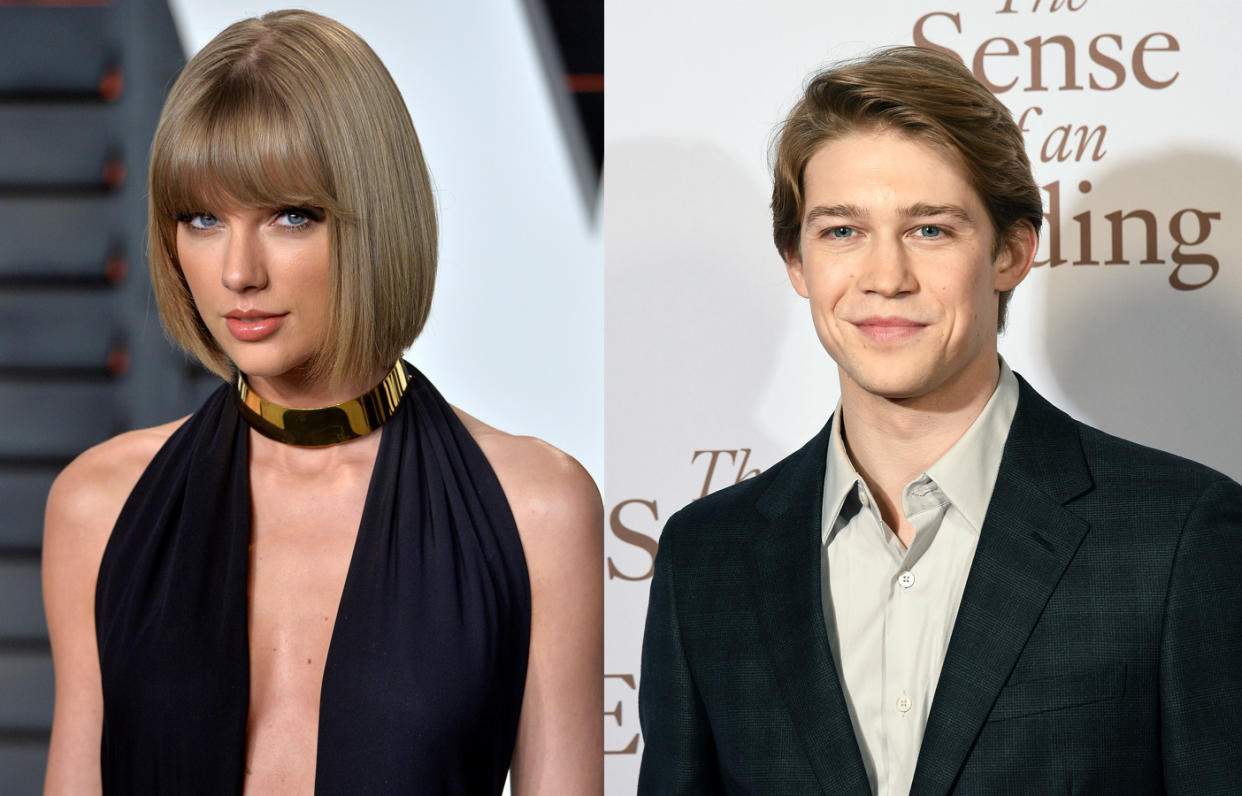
954 587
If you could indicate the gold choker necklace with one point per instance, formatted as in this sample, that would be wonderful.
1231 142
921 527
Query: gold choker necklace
314 428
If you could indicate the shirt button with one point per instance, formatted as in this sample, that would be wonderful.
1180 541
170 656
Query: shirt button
904 703
906 579
863 499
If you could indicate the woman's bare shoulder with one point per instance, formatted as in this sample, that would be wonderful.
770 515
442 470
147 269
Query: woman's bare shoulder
86 498
83 505
560 520
549 492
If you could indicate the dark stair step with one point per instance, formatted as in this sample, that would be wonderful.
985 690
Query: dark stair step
67 148
21 603
55 420
60 332
23 760
23 493
50 237
26 688
58 53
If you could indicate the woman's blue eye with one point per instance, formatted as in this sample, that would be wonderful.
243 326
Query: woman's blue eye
296 217
202 220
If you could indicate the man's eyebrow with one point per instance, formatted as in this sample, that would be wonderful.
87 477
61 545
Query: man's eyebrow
836 211
923 210
918 210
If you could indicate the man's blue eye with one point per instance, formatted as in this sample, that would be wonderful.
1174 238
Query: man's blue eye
840 232
929 231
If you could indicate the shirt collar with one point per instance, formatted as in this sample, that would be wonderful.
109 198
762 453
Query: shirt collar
840 477
966 473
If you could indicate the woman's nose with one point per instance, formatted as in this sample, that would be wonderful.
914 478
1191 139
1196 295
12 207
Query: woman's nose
244 268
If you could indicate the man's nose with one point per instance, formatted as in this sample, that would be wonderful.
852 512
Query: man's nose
886 269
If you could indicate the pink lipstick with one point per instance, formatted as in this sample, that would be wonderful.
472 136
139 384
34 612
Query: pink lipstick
251 326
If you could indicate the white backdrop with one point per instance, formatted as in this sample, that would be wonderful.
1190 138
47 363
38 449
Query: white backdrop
710 356
515 332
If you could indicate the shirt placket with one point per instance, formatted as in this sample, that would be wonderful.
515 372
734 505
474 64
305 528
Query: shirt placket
904 710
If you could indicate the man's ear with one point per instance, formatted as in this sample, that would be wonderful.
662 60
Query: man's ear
793 267
1017 254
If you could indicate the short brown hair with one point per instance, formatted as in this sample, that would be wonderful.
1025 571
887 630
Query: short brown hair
919 92
293 109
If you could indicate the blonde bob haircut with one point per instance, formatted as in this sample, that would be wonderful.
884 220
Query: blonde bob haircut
293 109
923 93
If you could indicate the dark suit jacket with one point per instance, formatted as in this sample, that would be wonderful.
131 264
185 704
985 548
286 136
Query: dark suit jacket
1098 648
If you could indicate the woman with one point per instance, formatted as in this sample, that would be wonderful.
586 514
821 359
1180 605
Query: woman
326 579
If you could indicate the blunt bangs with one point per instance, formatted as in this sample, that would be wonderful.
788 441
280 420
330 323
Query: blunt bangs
242 146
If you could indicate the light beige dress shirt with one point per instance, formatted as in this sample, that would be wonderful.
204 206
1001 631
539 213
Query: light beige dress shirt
889 610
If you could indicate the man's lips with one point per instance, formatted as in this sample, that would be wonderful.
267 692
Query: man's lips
251 326
883 329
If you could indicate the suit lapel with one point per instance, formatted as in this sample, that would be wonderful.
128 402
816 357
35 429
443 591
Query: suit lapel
786 583
1026 542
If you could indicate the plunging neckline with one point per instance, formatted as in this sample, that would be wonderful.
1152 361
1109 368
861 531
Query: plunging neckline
426 662
363 522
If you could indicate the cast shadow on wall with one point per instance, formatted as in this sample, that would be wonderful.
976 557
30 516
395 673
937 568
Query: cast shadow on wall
696 294
1138 357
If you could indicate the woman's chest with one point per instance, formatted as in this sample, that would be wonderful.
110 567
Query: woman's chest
301 545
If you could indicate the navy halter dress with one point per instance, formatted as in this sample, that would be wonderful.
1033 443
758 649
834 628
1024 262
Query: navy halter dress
423 682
